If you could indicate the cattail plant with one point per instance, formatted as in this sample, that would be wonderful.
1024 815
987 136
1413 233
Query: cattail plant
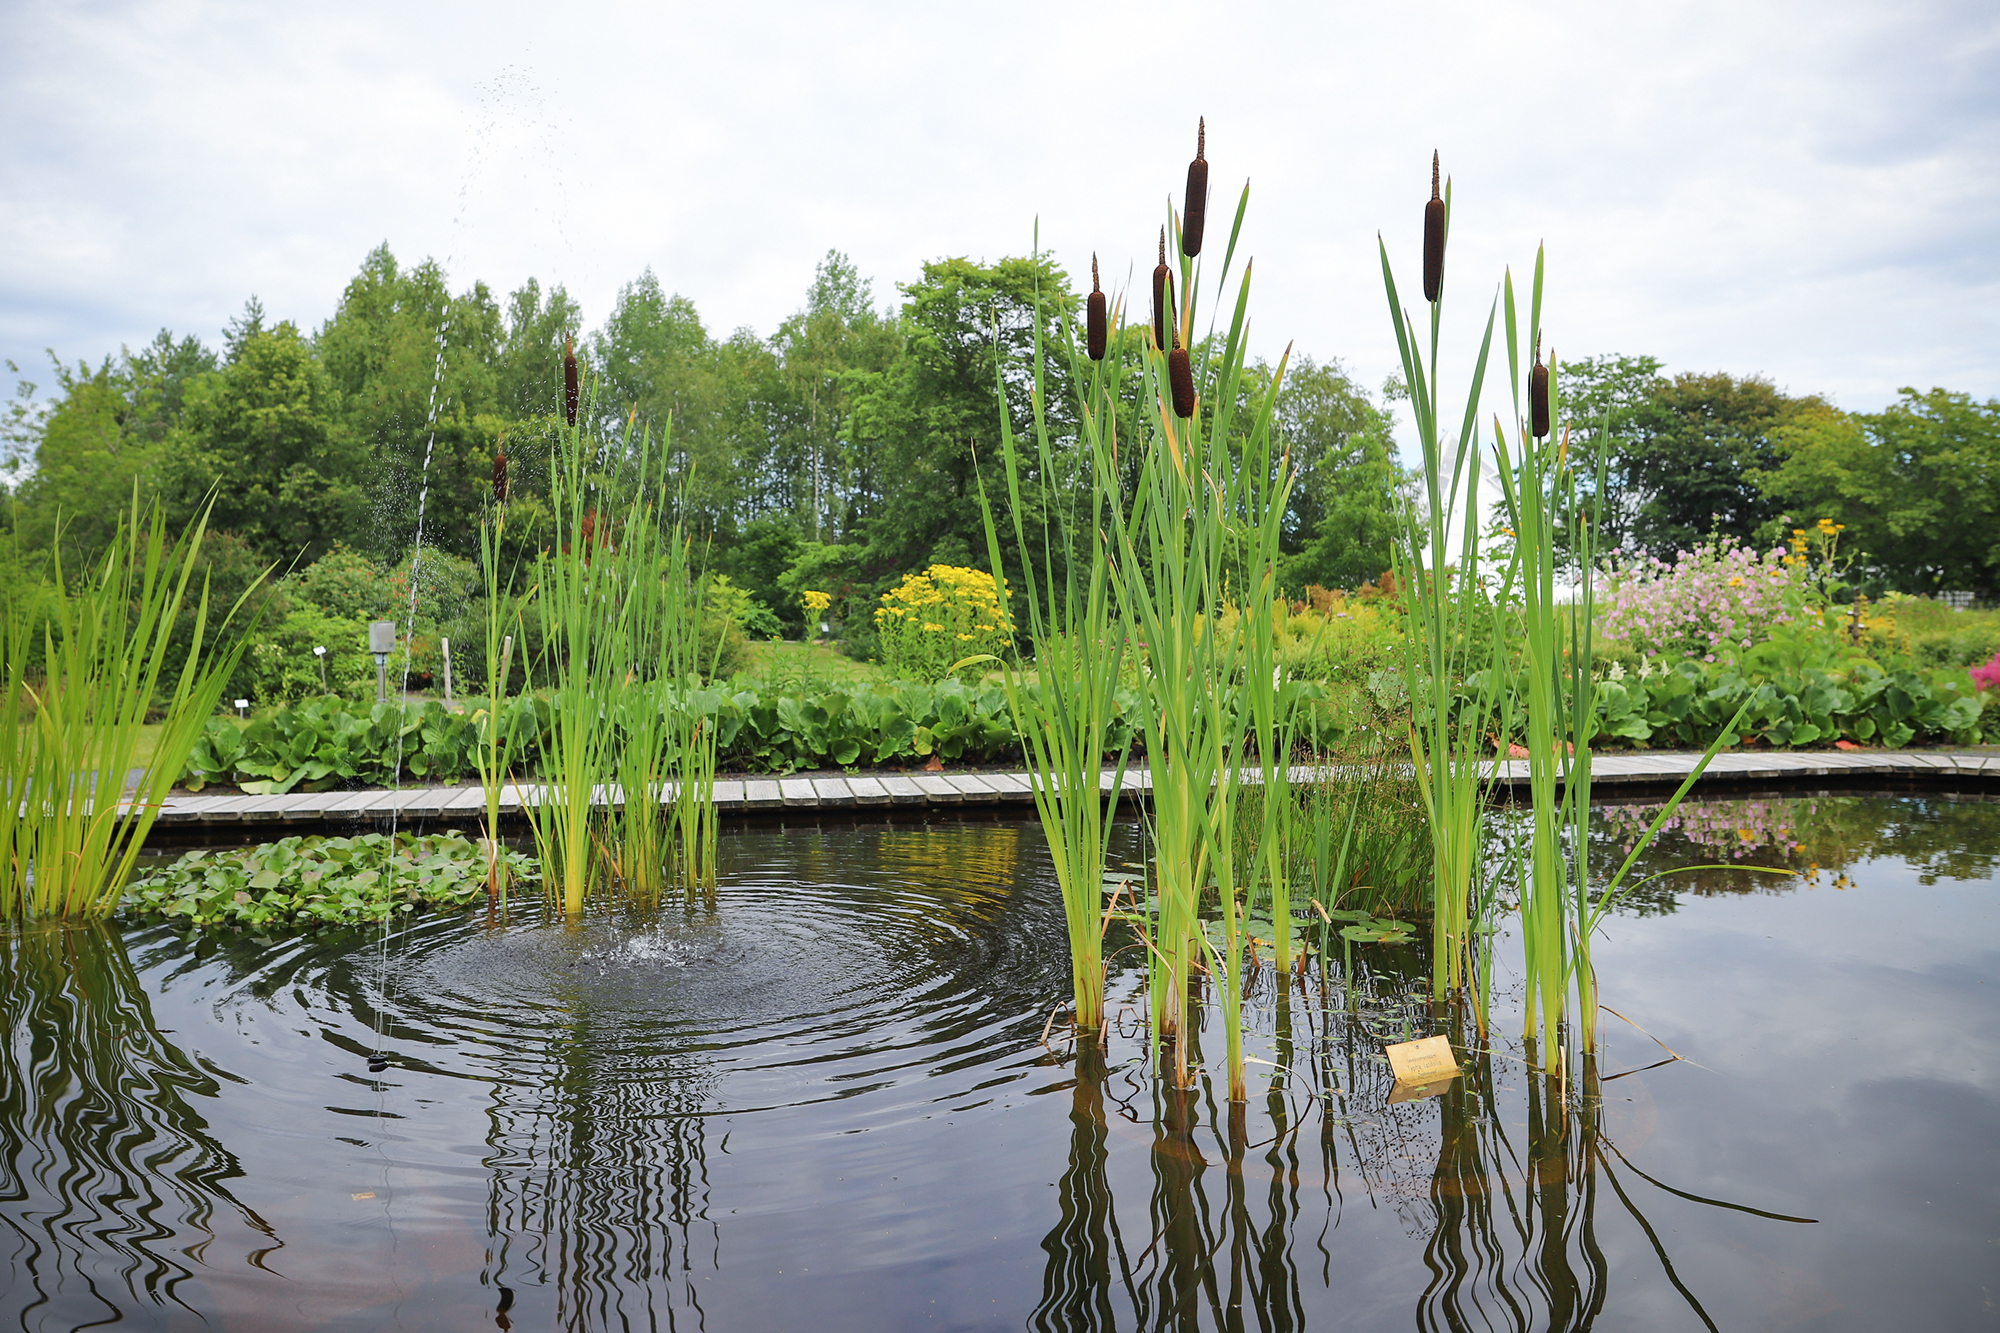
1065 709
1538 394
1095 321
1180 380
1435 217
497 733
1195 212
1451 626
571 388
1200 532
1163 296
1555 521
500 474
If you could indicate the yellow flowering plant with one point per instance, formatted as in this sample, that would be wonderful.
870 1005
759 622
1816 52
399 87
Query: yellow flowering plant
934 620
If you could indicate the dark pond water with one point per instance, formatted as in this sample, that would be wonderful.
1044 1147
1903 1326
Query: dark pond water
826 1105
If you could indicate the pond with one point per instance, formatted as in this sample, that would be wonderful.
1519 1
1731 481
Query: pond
837 1100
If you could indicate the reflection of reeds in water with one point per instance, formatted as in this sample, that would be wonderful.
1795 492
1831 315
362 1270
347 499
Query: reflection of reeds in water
110 1183
599 1180
1513 1223
1085 1250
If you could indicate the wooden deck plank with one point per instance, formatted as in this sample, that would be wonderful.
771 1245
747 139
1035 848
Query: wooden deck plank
466 801
1010 786
797 791
868 791
833 791
937 789
902 790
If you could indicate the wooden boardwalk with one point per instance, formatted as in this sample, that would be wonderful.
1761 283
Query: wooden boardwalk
916 792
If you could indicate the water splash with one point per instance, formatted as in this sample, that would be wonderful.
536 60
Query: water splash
499 101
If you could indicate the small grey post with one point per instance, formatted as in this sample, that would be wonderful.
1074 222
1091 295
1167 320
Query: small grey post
445 644
382 642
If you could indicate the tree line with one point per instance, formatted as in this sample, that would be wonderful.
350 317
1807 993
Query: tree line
846 448
838 452
1691 455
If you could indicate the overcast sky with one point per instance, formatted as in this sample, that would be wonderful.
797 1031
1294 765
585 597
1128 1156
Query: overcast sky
1809 191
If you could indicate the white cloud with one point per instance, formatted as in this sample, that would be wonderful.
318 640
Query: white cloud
1807 191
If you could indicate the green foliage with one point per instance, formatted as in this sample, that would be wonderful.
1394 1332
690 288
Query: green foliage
1601 400
1697 444
102 436
344 583
755 559
264 434
403 402
1931 634
1918 486
282 666
1340 528
313 881
320 744
935 411
1685 705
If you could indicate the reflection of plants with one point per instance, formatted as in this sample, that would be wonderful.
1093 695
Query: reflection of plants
1820 839
106 1165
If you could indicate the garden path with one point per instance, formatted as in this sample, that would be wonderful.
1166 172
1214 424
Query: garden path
959 791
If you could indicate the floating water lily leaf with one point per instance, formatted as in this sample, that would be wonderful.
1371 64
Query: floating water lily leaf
1377 932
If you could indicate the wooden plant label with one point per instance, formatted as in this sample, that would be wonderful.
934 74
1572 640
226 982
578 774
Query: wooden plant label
1426 1061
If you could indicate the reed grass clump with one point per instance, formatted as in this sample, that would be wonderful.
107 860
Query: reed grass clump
625 735
1199 531
1183 523
1066 709
1555 517
88 677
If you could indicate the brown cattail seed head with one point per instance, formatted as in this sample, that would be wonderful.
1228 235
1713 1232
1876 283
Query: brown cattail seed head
1434 238
1195 213
1163 296
1094 316
500 476
569 381
1180 378
1538 394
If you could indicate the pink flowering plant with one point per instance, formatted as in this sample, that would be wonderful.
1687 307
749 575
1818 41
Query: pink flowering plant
1718 601
1987 677
1710 603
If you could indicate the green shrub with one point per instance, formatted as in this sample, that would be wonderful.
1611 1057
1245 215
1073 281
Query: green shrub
282 665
